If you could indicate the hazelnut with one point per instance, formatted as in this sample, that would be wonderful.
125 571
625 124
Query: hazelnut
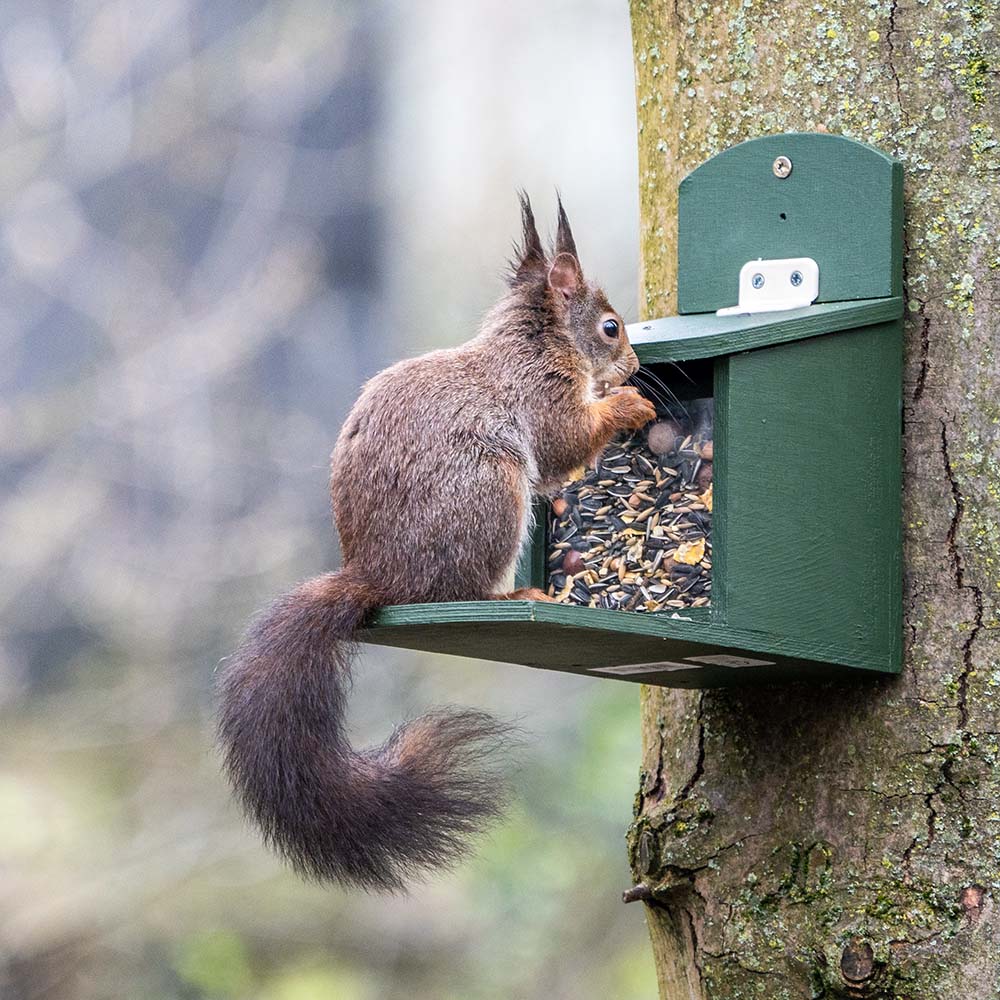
573 563
662 436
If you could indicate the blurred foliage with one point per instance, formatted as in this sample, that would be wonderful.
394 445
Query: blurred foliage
216 220
216 963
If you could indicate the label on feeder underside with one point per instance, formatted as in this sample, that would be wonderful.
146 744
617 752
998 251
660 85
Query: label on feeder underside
724 660
775 285
693 663
624 669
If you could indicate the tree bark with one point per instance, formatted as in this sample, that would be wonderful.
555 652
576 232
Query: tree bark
841 840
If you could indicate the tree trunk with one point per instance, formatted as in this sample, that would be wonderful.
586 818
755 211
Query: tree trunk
841 840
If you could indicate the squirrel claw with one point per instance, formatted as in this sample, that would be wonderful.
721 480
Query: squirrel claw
632 410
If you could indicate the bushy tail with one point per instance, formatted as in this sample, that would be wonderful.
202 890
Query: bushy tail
371 819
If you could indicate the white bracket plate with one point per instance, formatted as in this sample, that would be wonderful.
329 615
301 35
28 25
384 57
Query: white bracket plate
775 285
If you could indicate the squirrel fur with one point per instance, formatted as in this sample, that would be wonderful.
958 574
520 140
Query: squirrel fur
433 476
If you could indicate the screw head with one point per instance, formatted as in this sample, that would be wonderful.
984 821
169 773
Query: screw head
782 167
796 278
757 281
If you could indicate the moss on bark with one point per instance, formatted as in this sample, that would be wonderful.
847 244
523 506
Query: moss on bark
844 840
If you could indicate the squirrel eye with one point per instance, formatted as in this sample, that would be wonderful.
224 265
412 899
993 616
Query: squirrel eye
610 327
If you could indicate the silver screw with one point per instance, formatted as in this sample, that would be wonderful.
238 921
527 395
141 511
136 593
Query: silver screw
796 278
757 281
782 167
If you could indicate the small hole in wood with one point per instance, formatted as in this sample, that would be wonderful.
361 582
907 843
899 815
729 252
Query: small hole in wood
782 216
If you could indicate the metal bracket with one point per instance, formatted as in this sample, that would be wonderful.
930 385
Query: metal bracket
775 285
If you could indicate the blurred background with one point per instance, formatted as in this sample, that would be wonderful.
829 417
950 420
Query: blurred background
217 218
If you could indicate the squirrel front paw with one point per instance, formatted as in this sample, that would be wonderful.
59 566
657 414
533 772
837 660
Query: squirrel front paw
631 410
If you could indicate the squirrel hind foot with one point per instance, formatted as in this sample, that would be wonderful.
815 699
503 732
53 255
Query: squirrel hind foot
524 594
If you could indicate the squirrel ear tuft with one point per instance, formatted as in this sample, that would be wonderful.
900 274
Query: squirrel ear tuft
564 274
564 235
529 257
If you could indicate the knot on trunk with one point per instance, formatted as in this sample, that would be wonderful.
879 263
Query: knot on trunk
857 963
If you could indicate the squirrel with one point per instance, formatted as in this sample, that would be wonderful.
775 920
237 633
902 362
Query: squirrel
537 393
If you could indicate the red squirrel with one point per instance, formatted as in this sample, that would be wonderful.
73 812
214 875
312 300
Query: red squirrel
433 476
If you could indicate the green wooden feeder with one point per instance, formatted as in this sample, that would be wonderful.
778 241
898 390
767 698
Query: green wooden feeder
806 574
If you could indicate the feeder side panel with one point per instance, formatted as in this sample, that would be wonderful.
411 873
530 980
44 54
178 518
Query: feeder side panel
812 501
721 493
530 570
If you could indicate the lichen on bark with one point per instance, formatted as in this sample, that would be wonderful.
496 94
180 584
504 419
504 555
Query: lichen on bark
843 840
